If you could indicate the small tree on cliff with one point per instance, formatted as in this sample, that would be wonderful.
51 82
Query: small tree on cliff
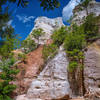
37 33
85 5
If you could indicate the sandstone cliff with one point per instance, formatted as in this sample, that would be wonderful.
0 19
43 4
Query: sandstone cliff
54 82
80 13
30 68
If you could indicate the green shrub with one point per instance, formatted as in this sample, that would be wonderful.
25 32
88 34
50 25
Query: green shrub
7 76
29 45
49 51
74 41
36 33
90 27
21 56
72 65
59 35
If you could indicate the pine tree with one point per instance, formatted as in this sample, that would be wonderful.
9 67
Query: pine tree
6 77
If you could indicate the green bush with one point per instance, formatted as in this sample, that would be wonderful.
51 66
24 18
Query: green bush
49 51
74 41
7 76
36 33
21 56
73 44
29 45
90 27
59 35
72 65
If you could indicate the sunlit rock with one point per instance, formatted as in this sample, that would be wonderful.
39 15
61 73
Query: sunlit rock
48 25
80 14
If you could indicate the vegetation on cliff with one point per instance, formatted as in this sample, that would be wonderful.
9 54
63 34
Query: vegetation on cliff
49 51
74 43
28 45
58 37
77 39
74 38
37 33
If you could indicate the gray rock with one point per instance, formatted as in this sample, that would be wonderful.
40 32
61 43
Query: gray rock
92 70
52 83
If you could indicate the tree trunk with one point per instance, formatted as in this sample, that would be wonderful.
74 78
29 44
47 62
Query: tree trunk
87 11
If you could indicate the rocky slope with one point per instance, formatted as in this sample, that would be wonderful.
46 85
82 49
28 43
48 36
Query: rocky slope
31 66
52 83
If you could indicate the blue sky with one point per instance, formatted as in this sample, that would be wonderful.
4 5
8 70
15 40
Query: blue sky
23 18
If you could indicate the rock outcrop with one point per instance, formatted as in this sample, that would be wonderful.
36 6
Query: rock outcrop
52 83
48 25
92 71
79 15
30 68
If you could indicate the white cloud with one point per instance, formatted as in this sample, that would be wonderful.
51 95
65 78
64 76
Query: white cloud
9 22
25 18
67 10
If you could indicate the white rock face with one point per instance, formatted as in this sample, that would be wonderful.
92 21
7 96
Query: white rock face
52 83
94 7
48 25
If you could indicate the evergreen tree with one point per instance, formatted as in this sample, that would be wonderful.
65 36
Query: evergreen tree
59 35
37 33
28 45
91 30
6 77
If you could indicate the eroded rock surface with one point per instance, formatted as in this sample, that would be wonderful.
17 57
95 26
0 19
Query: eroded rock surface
92 71
52 83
